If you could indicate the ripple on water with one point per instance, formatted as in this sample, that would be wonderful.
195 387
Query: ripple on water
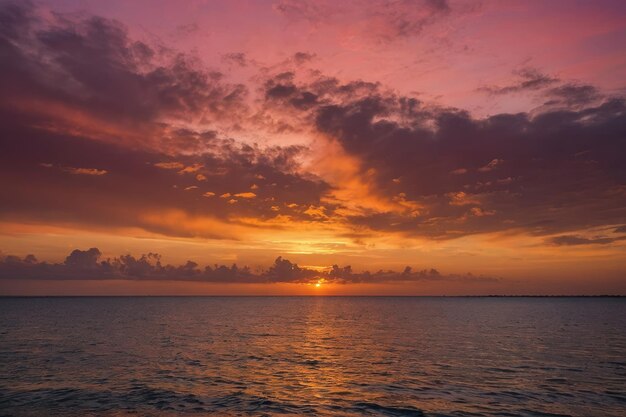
312 356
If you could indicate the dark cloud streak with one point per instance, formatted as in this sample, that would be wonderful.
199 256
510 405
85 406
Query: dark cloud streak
530 79
574 240
381 21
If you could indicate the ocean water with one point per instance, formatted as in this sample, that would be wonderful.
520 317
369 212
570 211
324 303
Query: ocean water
313 356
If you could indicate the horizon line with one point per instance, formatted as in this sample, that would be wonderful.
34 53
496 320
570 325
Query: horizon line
320 295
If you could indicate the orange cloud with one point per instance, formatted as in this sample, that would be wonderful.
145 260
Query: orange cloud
191 169
182 223
85 171
462 198
169 165
245 195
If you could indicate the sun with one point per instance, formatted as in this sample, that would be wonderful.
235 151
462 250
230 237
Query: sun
317 284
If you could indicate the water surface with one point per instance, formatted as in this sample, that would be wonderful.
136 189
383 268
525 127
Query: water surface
314 356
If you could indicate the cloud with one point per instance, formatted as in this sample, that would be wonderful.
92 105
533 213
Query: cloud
543 173
381 21
80 92
556 92
571 94
169 165
575 240
316 212
139 186
87 98
237 58
461 198
78 171
531 79
493 164
83 259
303 57
84 171
479 212
87 76
245 195
458 171
191 169
88 265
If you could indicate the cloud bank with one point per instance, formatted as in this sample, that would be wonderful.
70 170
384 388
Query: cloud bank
88 265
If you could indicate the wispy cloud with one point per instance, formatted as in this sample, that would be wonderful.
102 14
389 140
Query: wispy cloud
575 240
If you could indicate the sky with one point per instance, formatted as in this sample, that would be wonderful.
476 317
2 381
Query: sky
393 147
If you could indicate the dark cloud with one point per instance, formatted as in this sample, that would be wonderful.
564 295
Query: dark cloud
122 187
557 170
302 57
531 79
90 117
237 58
83 259
281 90
381 21
573 95
90 75
285 271
88 265
574 240
555 91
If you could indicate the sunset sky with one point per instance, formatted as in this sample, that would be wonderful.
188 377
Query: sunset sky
321 146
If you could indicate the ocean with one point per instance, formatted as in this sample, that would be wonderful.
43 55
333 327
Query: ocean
313 356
